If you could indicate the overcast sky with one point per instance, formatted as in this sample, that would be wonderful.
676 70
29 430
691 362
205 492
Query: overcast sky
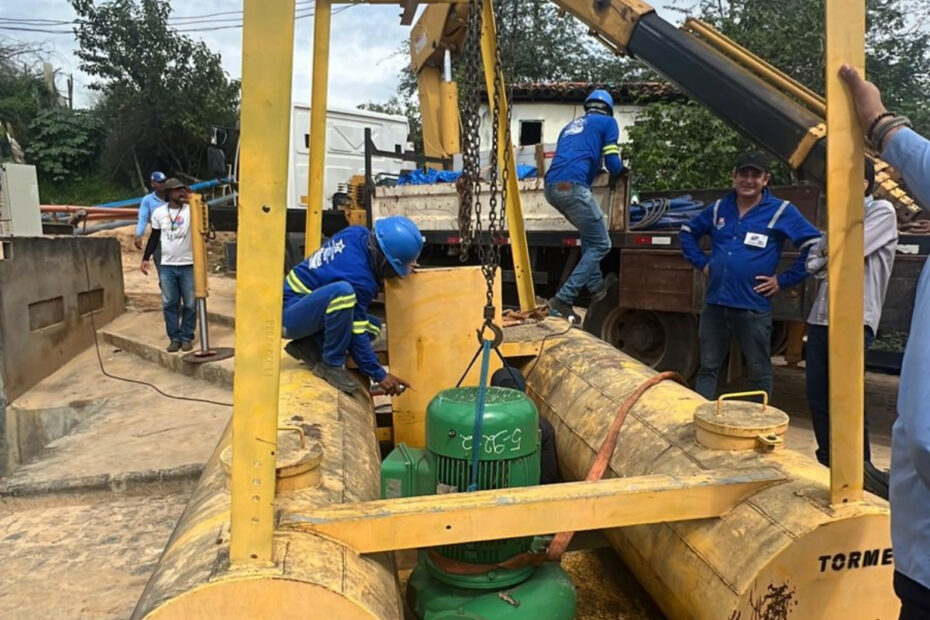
364 62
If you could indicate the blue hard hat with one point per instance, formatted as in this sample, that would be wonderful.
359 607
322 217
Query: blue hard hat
158 177
599 98
400 241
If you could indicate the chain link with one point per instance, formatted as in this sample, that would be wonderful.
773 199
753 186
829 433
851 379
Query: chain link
470 222
469 188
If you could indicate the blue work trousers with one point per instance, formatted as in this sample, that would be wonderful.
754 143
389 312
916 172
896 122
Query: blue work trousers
577 204
325 314
816 354
753 331
177 301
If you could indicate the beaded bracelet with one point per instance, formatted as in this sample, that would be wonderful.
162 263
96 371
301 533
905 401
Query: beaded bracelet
885 128
868 134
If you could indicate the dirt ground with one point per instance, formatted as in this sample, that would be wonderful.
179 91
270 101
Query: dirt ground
141 290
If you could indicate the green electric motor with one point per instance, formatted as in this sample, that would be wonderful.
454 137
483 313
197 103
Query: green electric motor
466 581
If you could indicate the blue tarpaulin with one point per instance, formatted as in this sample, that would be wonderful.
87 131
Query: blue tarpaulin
430 176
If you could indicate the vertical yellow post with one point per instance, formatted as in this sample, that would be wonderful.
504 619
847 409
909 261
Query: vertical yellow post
198 229
518 246
267 49
322 17
845 155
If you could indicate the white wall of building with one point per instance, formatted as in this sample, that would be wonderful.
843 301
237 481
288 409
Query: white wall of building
554 116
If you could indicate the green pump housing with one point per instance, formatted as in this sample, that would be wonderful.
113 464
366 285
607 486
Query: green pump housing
508 457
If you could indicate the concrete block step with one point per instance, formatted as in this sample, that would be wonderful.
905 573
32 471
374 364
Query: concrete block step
130 437
142 334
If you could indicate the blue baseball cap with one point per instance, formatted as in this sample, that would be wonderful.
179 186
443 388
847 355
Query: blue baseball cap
158 177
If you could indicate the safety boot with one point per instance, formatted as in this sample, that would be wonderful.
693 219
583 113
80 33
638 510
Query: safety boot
305 350
565 310
609 280
336 376
875 480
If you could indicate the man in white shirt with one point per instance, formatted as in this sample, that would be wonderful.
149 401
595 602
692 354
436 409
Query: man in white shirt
171 230
881 241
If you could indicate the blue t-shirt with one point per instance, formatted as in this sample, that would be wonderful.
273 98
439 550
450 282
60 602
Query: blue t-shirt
581 146
149 203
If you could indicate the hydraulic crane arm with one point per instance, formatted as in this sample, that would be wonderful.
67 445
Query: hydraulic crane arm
438 35
752 97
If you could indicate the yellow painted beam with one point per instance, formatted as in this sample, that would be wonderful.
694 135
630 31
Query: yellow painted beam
428 90
267 49
316 169
494 80
432 520
198 209
845 156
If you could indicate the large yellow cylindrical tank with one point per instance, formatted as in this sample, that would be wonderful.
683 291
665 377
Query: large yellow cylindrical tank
782 553
311 576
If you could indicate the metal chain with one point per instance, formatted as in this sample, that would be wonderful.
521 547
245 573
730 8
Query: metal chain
470 221
469 188
496 219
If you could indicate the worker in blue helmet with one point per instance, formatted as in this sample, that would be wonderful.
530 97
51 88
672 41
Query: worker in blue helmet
583 145
326 299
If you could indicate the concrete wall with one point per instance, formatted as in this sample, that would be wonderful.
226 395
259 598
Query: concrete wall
554 116
49 288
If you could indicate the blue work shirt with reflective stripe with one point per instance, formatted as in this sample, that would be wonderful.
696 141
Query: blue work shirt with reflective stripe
148 205
742 248
344 258
582 145
909 490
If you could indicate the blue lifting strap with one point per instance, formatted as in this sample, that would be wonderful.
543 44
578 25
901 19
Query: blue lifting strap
479 413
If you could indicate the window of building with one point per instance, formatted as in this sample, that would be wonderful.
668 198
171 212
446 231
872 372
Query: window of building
530 132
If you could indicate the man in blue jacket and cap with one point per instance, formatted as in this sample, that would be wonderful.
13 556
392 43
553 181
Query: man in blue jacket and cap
747 229
326 299
582 145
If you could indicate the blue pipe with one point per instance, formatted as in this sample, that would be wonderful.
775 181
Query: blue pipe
134 201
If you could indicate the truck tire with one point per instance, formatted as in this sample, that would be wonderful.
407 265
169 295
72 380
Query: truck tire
663 340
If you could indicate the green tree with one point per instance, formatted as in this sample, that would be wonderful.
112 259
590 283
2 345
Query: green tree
63 143
684 145
161 90
22 91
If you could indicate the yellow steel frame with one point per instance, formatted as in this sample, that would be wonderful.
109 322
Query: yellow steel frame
431 520
845 156
267 50
494 79
322 18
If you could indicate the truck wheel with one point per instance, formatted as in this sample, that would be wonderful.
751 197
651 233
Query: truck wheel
663 340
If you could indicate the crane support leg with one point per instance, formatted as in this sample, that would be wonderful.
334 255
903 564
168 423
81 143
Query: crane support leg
267 50
845 155
317 165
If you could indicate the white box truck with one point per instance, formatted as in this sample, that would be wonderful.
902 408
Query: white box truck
345 148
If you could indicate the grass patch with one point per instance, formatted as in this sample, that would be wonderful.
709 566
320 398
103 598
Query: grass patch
93 189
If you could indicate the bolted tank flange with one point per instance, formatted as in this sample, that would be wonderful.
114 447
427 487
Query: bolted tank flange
298 461
740 425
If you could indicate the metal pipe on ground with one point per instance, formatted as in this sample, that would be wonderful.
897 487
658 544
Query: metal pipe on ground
785 548
310 575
